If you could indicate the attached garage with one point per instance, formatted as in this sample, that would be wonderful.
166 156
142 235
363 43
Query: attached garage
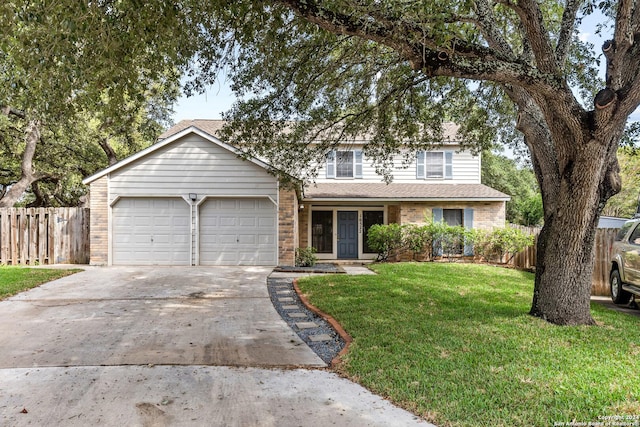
190 200
151 231
238 232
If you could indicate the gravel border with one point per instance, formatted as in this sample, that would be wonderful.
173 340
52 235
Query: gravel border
318 268
283 287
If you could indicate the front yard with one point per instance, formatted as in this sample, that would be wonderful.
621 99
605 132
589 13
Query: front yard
454 344
17 279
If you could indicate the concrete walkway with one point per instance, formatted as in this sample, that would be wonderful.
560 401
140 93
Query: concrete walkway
168 346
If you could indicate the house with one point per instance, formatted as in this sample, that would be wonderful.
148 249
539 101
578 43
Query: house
190 200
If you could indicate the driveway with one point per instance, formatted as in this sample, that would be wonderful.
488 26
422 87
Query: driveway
167 346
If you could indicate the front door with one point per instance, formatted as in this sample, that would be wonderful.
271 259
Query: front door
347 235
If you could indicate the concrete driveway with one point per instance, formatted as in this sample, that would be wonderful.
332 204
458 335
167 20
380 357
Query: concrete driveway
168 346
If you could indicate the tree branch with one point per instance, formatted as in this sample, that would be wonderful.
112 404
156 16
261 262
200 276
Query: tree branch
536 34
7 110
566 30
486 21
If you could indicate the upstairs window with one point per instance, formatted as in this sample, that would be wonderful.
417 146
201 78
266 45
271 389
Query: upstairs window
434 165
344 164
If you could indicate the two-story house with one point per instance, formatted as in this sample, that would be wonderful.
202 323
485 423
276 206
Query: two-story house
189 200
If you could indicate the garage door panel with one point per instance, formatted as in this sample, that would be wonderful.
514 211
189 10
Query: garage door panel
247 222
237 232
151 231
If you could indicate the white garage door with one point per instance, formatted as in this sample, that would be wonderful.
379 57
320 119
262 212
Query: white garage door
148 231
238 232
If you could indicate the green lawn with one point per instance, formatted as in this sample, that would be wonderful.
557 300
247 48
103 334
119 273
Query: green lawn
454 344
17 279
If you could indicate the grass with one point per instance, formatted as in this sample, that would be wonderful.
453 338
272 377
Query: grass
14 280
454 344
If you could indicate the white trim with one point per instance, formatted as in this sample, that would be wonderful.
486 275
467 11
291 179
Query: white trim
334 238
164 143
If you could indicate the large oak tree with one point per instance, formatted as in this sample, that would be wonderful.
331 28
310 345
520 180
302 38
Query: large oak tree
395 69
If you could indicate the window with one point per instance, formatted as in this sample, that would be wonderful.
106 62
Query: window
370 218
623 231
634 239
344 164
434 165
452 217
322 231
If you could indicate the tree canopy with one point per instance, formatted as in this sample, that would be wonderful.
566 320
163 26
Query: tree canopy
79 89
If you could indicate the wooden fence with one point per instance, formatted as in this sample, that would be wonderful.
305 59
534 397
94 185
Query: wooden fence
30 236
602 263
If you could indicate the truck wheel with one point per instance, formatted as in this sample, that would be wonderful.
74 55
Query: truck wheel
618 295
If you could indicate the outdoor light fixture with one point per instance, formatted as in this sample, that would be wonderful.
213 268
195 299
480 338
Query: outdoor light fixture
193 196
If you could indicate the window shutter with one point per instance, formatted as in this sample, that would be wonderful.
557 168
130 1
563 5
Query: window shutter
468 224
437 214
420 164
448 165
331 164
437 243
357 155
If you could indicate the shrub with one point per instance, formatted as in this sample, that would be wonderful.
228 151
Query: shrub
501 243
418 239
509 241
440 239
306 257
385 240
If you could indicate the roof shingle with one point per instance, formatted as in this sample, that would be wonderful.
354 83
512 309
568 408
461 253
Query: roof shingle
400 191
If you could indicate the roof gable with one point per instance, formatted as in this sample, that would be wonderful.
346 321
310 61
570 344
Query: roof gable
166 142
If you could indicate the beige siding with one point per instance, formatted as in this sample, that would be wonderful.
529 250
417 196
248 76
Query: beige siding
192 165
466 170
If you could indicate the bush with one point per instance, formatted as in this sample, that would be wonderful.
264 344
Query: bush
501 243
418 239
440 239
306 257
385 240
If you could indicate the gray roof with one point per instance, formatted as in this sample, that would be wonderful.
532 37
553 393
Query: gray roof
210 127
398 191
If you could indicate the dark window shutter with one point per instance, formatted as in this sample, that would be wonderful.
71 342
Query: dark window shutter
468 224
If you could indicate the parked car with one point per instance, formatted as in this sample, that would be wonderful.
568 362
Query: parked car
624 277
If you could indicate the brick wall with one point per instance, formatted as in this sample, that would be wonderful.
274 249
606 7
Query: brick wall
287 226
99 222
486 215
393 214
303 227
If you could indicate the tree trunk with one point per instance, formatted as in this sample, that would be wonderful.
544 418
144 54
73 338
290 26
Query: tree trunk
564 270
28 175
564 267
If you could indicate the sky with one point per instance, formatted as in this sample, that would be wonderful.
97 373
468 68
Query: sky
219 98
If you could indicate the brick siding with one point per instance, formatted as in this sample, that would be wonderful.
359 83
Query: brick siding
99 222
287 226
